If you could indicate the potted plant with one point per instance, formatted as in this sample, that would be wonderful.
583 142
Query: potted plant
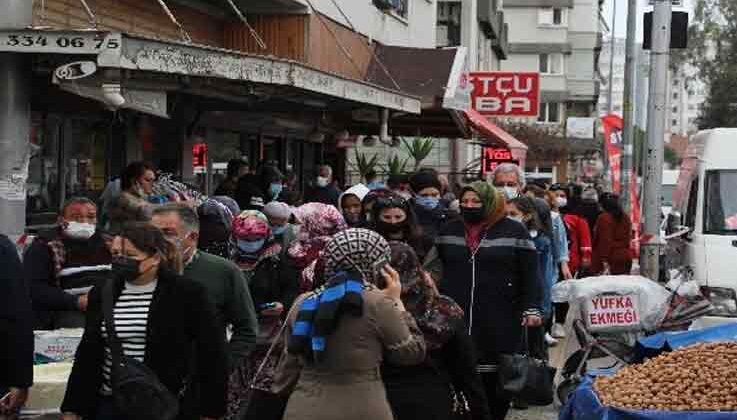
419 149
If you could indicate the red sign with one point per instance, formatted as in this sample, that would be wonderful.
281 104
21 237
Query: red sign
494 157
506 94
199 155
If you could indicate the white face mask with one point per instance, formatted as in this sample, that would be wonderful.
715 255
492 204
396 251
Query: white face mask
511 192
562 201
75 230
322 181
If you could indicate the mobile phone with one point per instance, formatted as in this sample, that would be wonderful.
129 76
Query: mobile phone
269 305
377 267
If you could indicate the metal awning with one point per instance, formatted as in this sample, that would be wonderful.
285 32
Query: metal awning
490 131
133 52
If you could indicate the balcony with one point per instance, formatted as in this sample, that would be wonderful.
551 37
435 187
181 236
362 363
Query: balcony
492 22
501 44
583 90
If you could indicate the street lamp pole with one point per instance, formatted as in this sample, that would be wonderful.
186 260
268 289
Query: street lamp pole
656 128
628 136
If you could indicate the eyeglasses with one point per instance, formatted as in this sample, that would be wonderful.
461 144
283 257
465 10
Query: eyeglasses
506 184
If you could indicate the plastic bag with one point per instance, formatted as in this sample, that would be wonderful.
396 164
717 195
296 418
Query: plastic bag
653 299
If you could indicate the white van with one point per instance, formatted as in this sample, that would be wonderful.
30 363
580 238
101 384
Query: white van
705 202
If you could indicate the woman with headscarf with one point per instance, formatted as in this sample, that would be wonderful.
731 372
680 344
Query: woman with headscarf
487 263
340 334
438 387
369 201
395 219
317 223
216 220
273 289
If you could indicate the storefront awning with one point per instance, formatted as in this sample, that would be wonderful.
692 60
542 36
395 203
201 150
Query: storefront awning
137 53
495 134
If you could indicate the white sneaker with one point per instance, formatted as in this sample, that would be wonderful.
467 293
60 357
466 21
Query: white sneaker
550 341
558 331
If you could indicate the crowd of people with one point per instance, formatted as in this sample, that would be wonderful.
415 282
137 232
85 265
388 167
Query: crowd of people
387 300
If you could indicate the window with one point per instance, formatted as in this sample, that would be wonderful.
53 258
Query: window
721 203
693 197
549 112
675 95
675 110
551 63
674 123
552 16
398 7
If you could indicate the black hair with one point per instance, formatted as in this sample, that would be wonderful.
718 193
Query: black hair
610 203
151 241
396 180
527 206
412 233
132 172
235 166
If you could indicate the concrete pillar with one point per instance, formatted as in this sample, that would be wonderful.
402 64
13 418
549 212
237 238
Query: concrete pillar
15 122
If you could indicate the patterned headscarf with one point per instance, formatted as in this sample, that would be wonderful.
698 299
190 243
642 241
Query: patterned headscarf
224 209
433 312
318 222
360 250
252 224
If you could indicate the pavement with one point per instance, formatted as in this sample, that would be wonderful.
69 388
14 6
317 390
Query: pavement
534 413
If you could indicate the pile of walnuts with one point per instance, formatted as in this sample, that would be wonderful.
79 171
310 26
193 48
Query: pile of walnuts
697 378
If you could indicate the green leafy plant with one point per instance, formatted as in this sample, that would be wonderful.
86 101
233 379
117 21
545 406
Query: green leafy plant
364 164
396 166
419 149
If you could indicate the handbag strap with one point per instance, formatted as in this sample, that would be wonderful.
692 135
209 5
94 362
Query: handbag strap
272 347
116 349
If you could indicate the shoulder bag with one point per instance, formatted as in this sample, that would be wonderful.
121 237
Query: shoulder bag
524 377
137 392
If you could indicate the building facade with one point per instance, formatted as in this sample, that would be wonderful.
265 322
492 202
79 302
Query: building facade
130 80
560 39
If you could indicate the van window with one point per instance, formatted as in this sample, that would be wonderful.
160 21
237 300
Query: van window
693 198
720 207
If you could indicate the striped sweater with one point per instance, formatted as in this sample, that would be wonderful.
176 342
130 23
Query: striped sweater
130 315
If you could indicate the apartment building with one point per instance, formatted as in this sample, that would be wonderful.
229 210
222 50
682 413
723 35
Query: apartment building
561 39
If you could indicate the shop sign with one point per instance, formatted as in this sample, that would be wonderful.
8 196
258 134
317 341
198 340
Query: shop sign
495 156
76 70
506 94
30 41
612 312
580 128
199 156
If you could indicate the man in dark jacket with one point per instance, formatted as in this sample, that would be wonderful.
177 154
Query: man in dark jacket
222 279
325 191
62 265
16 331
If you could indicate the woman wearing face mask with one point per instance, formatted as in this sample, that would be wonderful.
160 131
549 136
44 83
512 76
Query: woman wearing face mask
487 263
132 205
279 215
339 335
162 320
273 289
317 223
395 220
448 374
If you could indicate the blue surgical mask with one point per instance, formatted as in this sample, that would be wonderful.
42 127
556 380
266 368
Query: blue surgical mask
428 203
511 192
279 230
275 189
251 247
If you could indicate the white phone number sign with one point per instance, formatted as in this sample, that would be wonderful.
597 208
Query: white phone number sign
58 42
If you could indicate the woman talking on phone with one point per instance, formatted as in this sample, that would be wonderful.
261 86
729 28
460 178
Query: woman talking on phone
339 335
161 320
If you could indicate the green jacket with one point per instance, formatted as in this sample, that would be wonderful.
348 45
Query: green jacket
229 292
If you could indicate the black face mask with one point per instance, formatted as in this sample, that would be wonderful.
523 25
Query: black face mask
392 229
473 215
126 269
